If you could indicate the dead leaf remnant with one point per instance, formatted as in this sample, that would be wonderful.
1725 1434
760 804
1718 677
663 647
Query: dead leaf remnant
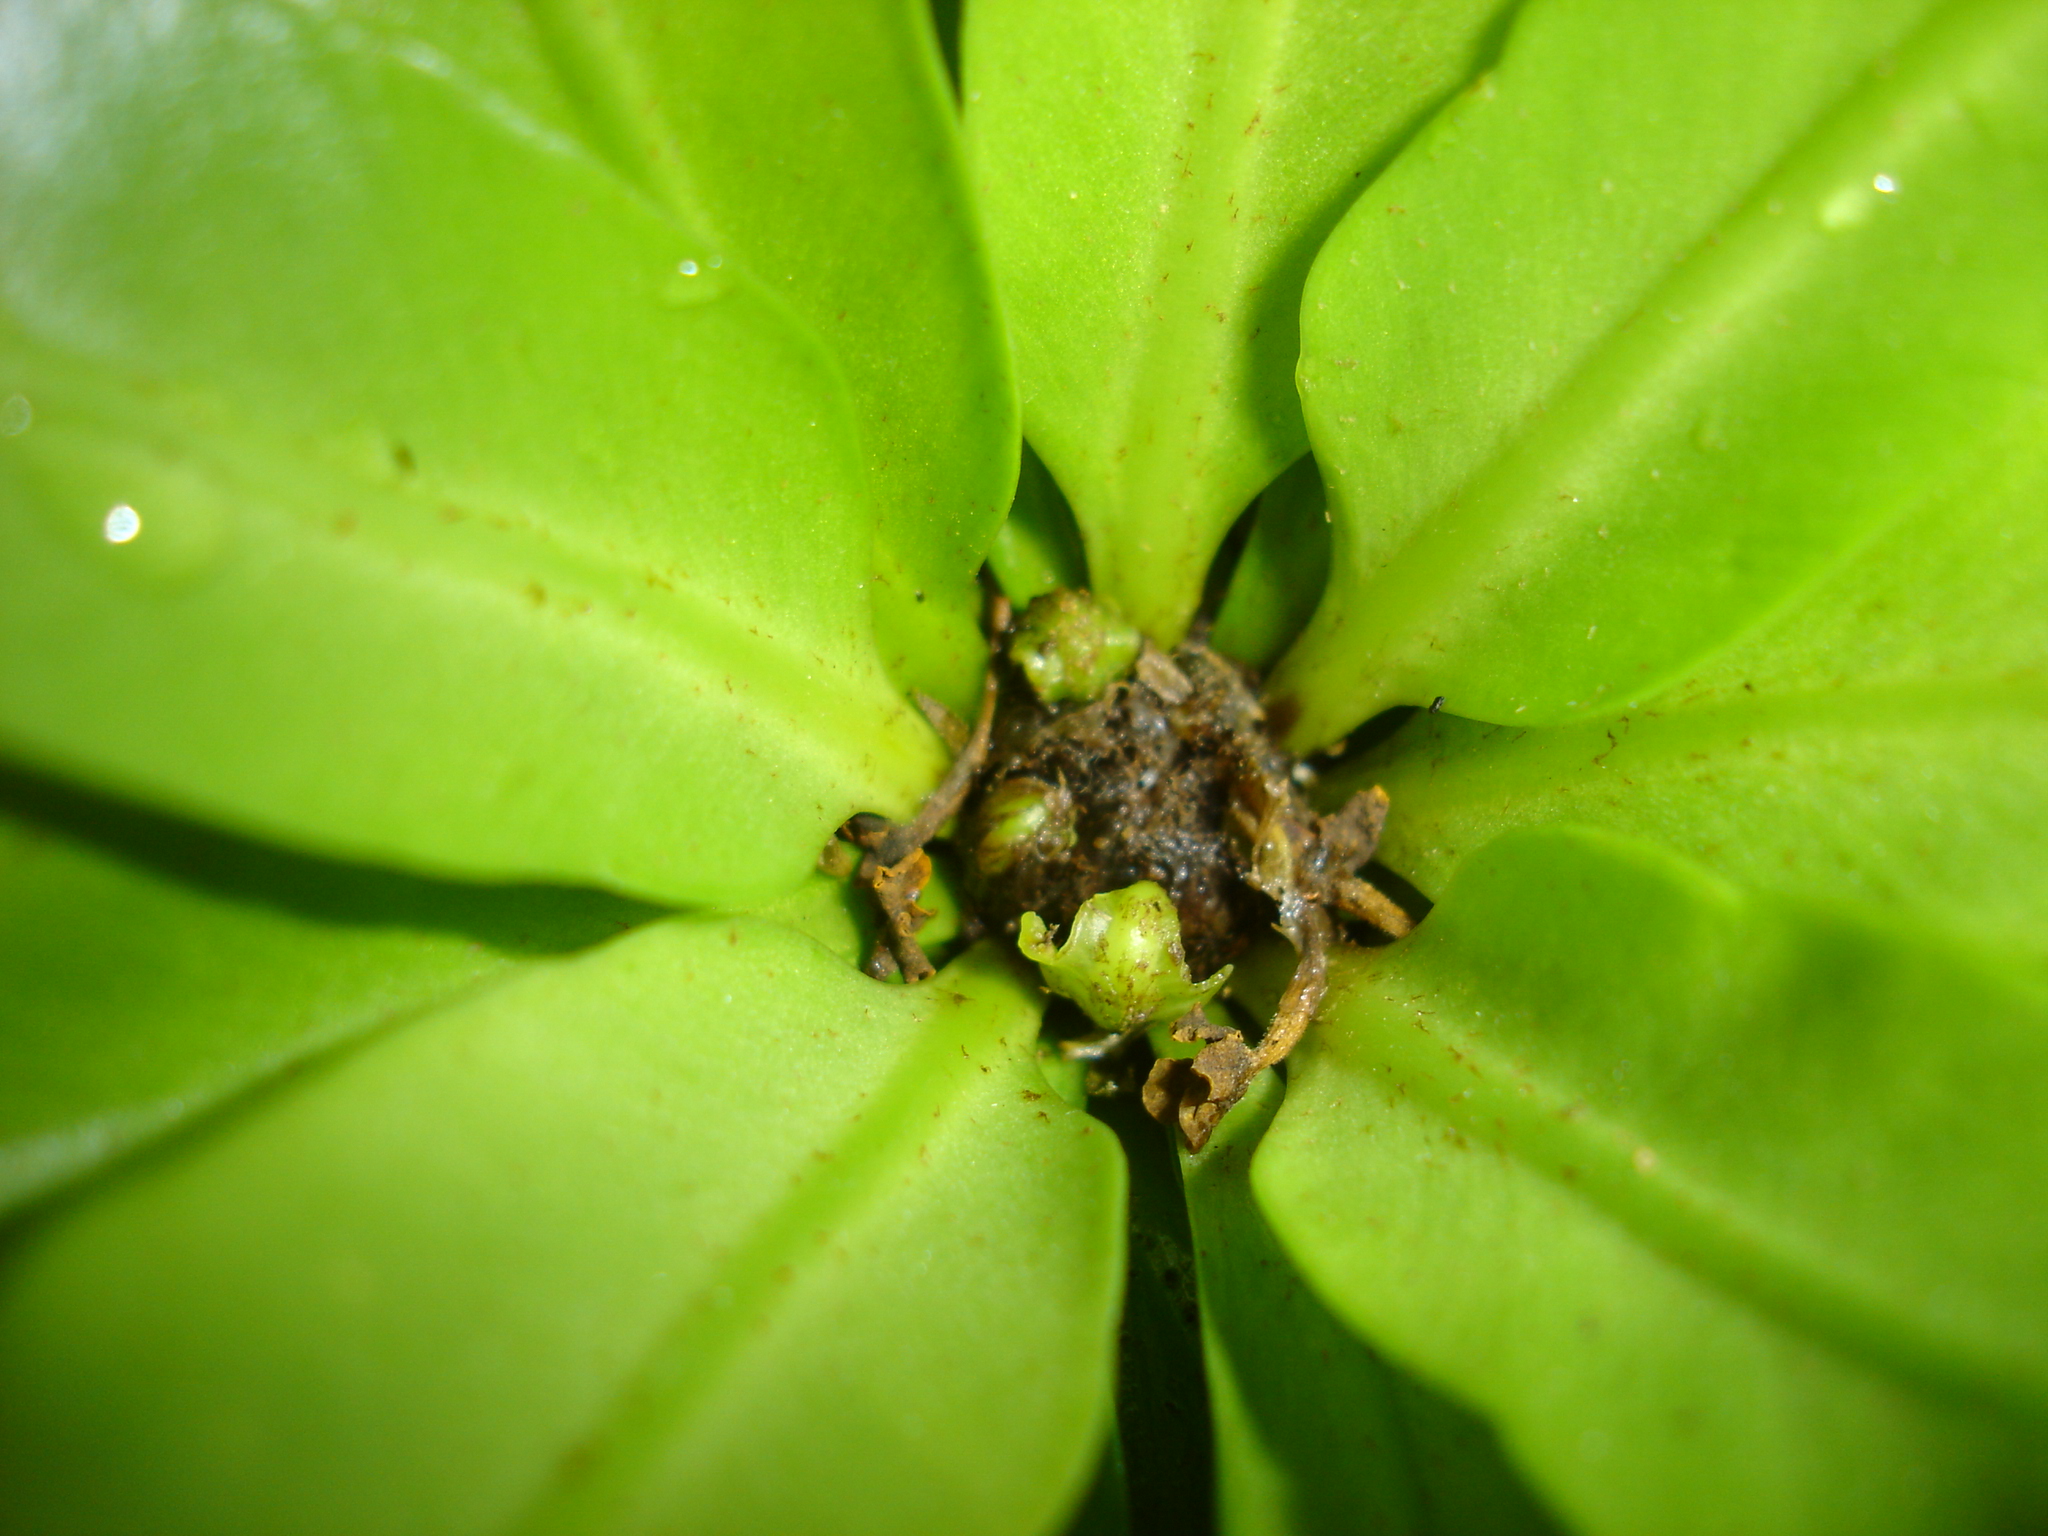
894 867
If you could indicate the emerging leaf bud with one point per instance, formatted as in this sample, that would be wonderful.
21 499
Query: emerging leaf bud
1073 646
1122 961
1019 817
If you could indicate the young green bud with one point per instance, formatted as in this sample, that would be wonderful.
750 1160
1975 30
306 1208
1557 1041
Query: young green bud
1073 646
1021 816
1122 961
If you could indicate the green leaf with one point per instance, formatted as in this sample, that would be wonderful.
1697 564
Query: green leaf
1155 179
1885 739
154 971
1314 1432
495 517
1279 577
1709 1199
832 173
1691 360
1038 548
1105 1510
702 1230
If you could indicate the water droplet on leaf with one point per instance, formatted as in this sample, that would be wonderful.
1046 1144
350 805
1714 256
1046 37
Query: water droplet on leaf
121 524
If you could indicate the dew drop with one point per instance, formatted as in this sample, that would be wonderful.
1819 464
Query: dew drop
170 523
694 281
15 415
121 524
1884 184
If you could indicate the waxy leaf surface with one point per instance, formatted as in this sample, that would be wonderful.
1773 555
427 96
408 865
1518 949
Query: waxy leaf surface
701 1230
1690 360
492 508
1885 740
1155 179
830 172
1709 1199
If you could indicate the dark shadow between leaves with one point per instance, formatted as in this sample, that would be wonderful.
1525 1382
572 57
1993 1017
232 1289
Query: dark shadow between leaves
1162 1398
1316 1432
1276 305
202 1075
946 24
520 920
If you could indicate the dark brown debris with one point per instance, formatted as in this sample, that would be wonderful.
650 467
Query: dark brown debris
894 865
1171 776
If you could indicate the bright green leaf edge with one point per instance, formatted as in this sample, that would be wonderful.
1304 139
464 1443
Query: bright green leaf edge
1314 1432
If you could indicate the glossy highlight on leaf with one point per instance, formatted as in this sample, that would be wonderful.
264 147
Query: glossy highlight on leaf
1793 332
831 174
509 452
457 458
1880 741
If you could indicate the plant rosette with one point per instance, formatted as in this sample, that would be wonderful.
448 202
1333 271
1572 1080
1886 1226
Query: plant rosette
482 491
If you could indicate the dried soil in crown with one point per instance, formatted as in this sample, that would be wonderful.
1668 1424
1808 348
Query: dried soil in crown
1151 779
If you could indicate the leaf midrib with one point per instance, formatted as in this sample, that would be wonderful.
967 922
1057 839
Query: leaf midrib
1600 1160
1709 282
619 1469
